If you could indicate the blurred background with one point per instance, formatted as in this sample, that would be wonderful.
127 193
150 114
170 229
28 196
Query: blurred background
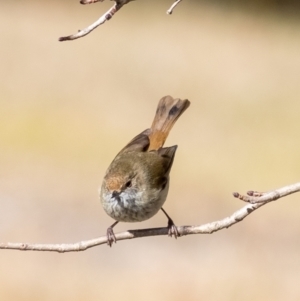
66 109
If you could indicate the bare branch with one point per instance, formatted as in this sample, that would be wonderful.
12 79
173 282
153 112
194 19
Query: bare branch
90 1
255 197
105 17
255 203
170 10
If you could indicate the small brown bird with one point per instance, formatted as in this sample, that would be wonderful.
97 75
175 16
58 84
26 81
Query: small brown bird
136 183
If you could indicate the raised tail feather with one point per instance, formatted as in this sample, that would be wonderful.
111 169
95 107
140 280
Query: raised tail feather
168 111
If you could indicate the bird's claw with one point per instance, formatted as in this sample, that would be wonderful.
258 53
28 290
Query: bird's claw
111 238
172 229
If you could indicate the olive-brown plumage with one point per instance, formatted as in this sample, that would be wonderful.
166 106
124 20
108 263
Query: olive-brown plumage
136 183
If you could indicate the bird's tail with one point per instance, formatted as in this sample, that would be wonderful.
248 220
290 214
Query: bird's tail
167 112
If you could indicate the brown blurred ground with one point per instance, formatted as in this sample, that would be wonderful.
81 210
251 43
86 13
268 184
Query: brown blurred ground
67 108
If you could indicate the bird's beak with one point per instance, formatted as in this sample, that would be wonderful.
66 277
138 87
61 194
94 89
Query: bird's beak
116 195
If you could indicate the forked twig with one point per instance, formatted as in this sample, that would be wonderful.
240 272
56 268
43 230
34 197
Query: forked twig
255 197
105 17
256 200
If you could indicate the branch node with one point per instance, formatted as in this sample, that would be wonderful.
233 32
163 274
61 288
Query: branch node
255 193
236 194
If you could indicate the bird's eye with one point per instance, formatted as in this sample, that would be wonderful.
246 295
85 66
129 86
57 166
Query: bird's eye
164 183
128 184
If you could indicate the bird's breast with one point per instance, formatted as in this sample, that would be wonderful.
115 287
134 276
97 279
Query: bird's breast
133 206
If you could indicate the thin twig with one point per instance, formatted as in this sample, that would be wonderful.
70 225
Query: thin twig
255 203
105 17
255 197
170 10
90 1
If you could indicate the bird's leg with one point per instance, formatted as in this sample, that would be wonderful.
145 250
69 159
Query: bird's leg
111 235
171 226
